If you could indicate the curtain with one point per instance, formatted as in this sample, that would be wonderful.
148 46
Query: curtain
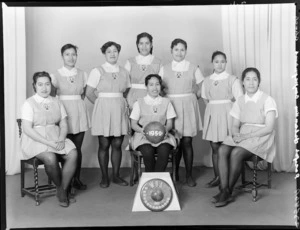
263 36
14 82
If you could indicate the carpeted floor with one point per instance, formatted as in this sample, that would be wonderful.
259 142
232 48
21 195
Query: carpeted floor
112 206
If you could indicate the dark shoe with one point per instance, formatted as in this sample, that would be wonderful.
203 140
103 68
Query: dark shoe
120 181
79 185
104 183
224 198
215 182
215 198
190 182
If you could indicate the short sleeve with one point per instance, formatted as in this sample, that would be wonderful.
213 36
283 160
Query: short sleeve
136 112
235 111
53 80
85 78
62 111
27 112
94 78
170 111
237 90
127 66
199 76
203 91
270 105
161 72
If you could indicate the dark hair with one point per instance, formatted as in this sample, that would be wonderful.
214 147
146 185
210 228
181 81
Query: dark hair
109 44
151 76
216 53
144 35
251 69
68 46
178 40
37 75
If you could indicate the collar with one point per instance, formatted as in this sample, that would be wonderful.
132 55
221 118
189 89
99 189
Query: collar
220 76
254 98
65 72
144 60
152 101
180 66
40 99
110 68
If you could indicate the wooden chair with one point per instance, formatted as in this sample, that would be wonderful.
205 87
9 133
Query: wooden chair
137 161
37 190
255 185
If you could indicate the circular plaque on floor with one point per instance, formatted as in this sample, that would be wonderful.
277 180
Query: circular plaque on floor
156 194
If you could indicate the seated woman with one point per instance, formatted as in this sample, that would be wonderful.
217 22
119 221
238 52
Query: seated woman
44 134
150 108
252 133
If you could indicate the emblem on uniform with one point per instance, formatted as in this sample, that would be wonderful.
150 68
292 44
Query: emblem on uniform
46 106
143 67
114 75
216 83
179 74
154 109
71 79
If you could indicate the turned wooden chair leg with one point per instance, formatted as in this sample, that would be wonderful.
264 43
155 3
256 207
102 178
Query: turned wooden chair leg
269 175
174 167
254 188
139 167
22 178
132 169
36 183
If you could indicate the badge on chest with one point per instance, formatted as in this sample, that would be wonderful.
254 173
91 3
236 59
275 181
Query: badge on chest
143 68
179 74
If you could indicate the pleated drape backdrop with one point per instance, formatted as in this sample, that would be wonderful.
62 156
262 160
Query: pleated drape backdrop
14 82
263 36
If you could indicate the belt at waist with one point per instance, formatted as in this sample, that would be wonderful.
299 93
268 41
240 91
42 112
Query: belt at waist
219 101
138 86
180 95
38 126
258 125
110 95
69 97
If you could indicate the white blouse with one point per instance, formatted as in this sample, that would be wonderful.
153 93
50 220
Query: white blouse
65 72
270 105
140 60
95 75
136 112
182 67
236 88
27 110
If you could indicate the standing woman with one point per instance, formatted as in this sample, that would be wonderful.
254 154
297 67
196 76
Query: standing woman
105 88
140 67
44 126
218 91
69 84
181 78
254 116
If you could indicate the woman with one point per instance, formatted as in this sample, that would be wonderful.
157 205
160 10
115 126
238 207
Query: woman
109 119
145 110
44 134
252 133
181 79
141 66
69 84
218 91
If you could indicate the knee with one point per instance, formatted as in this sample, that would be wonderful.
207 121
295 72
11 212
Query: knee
73 155
222 152
50 159
186 142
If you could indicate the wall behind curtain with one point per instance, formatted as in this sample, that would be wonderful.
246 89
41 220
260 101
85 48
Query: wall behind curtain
49 28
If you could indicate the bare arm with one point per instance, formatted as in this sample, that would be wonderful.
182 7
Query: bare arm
135 126
83 94
90 94
169 125
126 93
198 90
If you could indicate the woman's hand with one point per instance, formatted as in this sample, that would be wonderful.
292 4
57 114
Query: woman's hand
60 145
239 137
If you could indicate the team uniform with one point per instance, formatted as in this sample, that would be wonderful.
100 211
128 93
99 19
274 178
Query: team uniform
180 79
219 90
110 113
139 68
45 115
146 110
252 114
70 86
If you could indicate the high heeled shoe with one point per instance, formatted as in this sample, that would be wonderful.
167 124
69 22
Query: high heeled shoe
224 198
190 182
120 181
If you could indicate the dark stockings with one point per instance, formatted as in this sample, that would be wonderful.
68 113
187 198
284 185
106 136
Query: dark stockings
149 152
116 157
215 146
77 139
